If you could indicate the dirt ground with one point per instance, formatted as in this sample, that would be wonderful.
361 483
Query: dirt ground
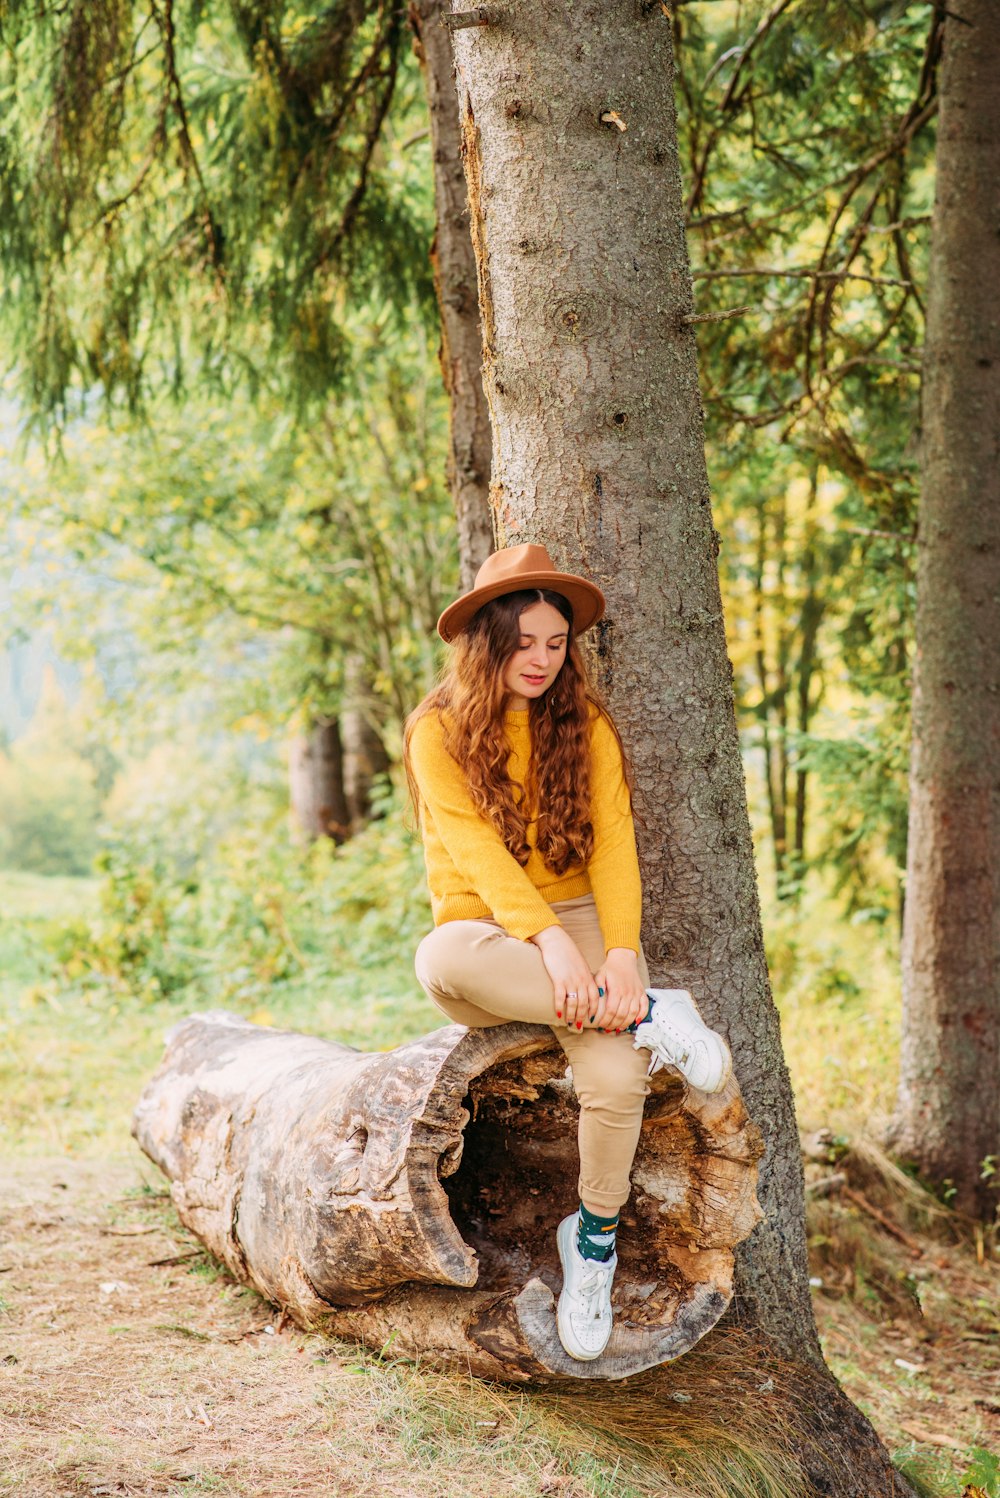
129 1365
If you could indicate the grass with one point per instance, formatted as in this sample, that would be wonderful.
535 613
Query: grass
313 1419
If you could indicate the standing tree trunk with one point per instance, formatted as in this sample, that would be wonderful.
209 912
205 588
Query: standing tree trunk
569 139
365 756
316 783
948 1119
455 280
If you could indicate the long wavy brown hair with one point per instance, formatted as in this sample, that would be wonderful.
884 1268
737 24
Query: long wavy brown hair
470 701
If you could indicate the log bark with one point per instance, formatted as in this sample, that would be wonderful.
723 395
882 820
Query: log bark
948 1114
470 439
414 1194
569 135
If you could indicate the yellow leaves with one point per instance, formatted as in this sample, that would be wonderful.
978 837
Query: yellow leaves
254 723
261 1016
420 484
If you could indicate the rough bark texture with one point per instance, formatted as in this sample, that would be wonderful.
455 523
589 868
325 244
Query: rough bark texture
949 1099
569 136
369 1194
316 783
471 441
593 382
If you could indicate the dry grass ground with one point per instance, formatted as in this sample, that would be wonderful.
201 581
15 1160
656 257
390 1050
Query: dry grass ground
124 1375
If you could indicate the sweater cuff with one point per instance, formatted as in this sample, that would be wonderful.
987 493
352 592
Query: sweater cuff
621 934
529 926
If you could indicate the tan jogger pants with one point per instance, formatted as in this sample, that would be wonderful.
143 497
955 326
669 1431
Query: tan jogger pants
480 975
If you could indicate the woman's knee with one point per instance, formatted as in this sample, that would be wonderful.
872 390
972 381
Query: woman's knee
442 960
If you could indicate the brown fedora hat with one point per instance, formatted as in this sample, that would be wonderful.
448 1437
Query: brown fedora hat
518 567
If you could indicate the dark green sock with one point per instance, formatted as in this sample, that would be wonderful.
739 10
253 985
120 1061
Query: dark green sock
595 1236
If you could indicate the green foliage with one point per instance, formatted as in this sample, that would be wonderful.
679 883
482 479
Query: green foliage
189 192
243 919
806 138
984 1472
932 1475
49 796
277 569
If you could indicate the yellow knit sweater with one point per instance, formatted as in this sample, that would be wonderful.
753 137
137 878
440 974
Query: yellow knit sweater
470 872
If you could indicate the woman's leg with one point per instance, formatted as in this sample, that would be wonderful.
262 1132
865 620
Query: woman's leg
609 1076
479 976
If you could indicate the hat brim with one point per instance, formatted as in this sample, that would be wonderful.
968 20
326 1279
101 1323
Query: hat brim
584 598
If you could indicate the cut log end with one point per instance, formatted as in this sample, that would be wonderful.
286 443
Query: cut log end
415 1194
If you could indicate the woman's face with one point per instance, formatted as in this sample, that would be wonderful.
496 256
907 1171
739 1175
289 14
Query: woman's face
538 659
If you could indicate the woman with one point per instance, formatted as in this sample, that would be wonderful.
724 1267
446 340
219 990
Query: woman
519 780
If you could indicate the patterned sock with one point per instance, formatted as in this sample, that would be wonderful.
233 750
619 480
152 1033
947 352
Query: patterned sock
631 1029
595 1236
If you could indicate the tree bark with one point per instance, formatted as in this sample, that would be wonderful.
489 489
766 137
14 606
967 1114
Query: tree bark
369 1194
316 783
948 1117
471 440
569 137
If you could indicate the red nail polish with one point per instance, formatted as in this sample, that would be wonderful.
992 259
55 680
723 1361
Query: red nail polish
558 1014
579 1024
618 1032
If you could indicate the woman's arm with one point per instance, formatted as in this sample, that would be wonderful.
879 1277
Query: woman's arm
614 864
614 878
474 847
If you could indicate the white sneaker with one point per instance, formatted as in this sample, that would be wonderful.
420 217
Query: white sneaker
677 1036
584 1312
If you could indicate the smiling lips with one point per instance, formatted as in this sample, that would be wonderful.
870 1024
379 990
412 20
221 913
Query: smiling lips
534 680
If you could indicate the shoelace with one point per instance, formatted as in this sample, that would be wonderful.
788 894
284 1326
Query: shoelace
680 1048
592 1287
676 1048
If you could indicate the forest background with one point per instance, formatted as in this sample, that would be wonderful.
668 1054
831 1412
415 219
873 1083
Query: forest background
223 560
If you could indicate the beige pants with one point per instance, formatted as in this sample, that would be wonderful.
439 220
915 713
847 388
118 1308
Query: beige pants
479 975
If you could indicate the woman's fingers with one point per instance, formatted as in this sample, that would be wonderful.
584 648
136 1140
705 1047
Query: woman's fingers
622 1010
582 999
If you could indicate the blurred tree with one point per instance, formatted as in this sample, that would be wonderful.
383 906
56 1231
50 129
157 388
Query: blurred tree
948 1118
461 353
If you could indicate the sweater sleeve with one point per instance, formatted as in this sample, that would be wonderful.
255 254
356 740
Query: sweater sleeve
614 865
474 847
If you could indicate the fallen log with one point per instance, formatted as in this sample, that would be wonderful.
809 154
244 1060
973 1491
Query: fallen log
412 1196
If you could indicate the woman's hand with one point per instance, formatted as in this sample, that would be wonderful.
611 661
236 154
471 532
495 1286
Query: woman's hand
574 989
625 998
